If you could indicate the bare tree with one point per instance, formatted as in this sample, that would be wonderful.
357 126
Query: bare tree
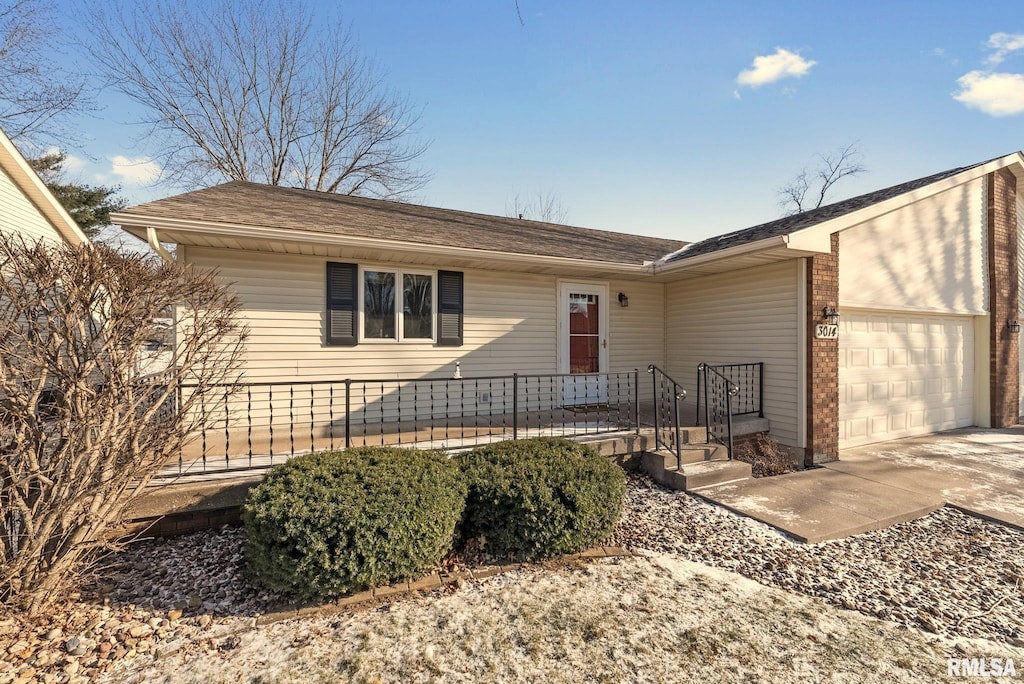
809 189
81 432
35 94
259 90
546 206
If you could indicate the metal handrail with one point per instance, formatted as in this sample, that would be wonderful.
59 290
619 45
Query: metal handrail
704 371
678 394
750 379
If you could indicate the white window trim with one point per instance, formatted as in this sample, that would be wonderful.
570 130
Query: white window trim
399 305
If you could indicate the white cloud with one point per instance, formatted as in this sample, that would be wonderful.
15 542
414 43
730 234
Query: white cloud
997 94
73 163
1004 44
134 171
774 67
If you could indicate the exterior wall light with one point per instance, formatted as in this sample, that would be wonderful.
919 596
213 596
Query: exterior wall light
830 314
1014 325
623 300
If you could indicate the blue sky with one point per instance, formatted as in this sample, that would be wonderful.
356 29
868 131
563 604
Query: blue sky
637 117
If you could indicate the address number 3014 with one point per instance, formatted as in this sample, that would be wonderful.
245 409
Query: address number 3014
826 331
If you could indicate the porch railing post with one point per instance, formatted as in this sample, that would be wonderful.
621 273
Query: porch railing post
707 407
348 412
515 406
760 389
728 410
675 413
636 399
654 387
179 398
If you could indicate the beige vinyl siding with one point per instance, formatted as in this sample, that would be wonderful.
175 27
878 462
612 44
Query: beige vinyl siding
508 325
637 333
19 216
741 317
928 256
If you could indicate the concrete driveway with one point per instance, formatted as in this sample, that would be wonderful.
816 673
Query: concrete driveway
980 471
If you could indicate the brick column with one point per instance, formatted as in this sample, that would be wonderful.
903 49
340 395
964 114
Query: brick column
1003 297
822 360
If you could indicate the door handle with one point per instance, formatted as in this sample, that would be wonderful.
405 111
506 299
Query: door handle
604 343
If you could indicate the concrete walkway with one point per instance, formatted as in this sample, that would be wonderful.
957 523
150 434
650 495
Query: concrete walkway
871 487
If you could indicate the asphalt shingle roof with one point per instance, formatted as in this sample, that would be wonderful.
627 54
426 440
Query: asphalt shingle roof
255 204
790 224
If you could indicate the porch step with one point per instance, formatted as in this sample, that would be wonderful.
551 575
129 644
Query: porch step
689 454
693 435
703 466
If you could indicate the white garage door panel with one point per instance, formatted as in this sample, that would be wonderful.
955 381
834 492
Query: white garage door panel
1020 408
903 375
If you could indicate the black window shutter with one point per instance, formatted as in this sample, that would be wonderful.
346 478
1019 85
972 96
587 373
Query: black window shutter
449 308
342 303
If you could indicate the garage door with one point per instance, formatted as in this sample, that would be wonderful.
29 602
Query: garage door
1020 387
903 375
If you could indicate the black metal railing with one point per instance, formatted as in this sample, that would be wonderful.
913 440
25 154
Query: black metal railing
749 378
254 425
667 424
715 393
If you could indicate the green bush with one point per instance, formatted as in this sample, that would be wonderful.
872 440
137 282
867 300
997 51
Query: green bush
543 497
324 524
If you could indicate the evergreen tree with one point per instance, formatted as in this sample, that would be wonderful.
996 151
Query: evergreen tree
89 205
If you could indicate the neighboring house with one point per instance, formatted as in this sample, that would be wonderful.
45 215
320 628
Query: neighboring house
27 207
924 276
158 354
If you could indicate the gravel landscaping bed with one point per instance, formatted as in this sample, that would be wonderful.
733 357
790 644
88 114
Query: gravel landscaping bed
946 573
153 597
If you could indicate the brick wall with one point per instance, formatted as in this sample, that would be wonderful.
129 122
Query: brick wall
822 360
1003 292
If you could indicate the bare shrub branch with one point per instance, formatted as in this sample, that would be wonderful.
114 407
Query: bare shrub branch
546 206
809 189
81 432
259 91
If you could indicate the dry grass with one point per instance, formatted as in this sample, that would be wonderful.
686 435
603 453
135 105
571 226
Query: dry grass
657 619
765 455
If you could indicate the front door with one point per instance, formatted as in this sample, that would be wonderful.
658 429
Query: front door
583 342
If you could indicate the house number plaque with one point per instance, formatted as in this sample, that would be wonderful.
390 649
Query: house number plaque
826 331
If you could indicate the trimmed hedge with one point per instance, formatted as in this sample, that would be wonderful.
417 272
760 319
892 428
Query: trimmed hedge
328 523
536 498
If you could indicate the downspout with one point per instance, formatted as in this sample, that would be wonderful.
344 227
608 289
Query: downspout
168 258
154 242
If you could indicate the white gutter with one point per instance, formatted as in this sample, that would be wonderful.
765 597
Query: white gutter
737 250
154 242
28 181
280 235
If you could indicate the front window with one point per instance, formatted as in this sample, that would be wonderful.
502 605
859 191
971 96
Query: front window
379 305
390 312
417 309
